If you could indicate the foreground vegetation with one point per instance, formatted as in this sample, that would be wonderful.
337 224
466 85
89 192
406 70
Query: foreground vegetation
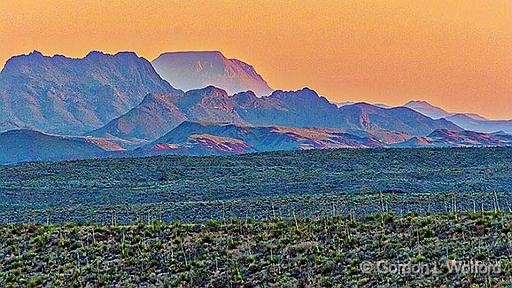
331 251
285 219
258 186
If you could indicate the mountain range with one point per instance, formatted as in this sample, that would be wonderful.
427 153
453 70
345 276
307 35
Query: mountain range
119 105
479 125
207 138
305 108
155 116
198 69
340 104
468 121
72 96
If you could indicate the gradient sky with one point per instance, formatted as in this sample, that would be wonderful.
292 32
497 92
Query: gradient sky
453 53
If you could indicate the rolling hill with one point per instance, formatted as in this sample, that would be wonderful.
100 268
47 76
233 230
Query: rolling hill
446 138
29 145
202 138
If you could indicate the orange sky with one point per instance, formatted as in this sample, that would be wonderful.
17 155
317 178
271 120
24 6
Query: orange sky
453 53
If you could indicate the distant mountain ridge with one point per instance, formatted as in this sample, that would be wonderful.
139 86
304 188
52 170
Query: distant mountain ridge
74 96
435 112
300 109
427 109
67 95
209 104
468 121
476 124
198 69
158 114
305 108
341 104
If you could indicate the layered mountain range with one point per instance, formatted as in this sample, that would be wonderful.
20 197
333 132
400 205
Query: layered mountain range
481 125
300 109
120 105
468 121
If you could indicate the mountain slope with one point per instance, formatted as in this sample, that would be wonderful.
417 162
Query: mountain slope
341 104
301 108
435 112
147 121
8 125
427 109
208 104
71 96
364 116
305 108
158 114
29 145
194 70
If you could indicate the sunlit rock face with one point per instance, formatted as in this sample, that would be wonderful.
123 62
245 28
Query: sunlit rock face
194 70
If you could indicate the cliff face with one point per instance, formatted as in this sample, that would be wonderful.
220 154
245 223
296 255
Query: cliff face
195 70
